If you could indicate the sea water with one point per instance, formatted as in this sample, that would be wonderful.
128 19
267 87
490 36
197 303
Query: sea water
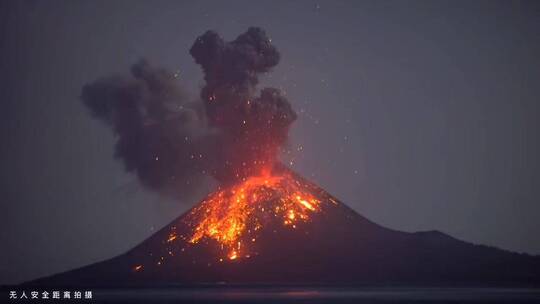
269 294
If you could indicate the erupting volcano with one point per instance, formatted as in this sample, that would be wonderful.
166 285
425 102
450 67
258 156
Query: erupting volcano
280 228
264 223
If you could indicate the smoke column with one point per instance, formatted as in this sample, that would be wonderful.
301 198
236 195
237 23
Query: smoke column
170 143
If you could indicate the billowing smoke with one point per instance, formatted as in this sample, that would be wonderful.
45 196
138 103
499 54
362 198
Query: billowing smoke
232 132
253 127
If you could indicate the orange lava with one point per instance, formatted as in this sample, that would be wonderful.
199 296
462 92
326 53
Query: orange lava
232 217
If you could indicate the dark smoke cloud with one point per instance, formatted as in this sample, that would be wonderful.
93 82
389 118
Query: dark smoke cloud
253 127
171 143
160 134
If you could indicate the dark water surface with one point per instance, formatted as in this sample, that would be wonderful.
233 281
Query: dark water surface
316 295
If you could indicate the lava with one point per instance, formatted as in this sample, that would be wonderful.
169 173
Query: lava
232 217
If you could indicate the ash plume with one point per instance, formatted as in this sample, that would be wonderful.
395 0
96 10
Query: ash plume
172 144
252 127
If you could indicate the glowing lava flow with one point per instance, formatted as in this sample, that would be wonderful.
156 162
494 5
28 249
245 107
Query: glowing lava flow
232 217
232 222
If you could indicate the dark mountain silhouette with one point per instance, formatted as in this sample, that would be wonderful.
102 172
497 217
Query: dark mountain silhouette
337 245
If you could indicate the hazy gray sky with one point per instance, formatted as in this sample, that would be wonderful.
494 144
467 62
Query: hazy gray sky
419 115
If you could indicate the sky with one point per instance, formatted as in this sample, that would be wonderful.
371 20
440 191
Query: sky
420 115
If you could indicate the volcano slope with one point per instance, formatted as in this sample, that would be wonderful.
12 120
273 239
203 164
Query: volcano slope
283 229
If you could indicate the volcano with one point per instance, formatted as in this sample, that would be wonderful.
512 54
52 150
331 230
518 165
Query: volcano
281 228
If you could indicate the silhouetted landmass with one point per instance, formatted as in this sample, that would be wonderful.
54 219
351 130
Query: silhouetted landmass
338 246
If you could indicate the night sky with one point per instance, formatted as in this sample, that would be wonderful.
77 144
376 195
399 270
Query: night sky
418 115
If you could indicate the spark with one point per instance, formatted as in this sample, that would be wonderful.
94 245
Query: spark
305 203
171 238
